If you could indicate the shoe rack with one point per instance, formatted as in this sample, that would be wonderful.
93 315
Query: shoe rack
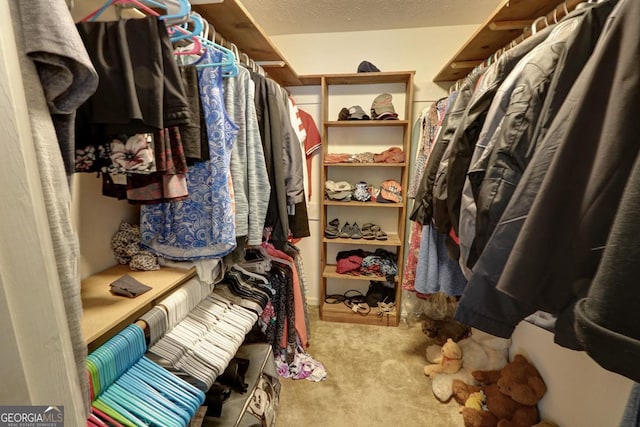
358 136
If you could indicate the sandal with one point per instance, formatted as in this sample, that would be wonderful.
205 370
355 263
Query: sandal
367 232
378 233
381 235
331 231
357 302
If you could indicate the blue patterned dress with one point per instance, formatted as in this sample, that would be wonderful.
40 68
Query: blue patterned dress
203 226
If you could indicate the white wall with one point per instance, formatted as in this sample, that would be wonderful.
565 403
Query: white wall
579 391
96 218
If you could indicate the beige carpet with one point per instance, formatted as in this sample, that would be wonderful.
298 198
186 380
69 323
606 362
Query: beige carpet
374 379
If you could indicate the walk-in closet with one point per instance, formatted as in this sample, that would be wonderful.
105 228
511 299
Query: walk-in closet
320 213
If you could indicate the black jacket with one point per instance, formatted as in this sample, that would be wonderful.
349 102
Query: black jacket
547 245
423 208
464 140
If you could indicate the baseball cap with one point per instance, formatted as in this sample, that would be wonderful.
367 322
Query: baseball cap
343 114
382 108
357 113
390 191
367 67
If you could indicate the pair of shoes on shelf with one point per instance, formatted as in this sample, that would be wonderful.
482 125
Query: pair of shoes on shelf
350 231
332 231
372 231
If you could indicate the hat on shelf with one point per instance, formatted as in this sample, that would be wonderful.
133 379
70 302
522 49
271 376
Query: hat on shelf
357 113
340 190
390 192
382 108
367 67
343 114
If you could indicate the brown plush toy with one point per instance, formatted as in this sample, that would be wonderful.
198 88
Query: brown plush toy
512 394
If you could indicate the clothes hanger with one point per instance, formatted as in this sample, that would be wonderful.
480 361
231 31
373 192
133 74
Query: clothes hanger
116 361
534 24
228 63
198 27
137 4
180 16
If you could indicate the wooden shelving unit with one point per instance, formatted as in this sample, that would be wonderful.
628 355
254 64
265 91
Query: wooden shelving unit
505 24
357 133
366 123
105 314
392 240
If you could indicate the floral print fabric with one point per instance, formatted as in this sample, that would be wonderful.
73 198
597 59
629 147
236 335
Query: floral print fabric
121 154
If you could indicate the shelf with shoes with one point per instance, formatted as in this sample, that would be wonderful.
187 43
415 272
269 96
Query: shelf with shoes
392 240
330 271
366 135
369 165
366 123
353 203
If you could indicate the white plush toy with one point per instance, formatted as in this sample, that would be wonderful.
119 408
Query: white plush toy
481 351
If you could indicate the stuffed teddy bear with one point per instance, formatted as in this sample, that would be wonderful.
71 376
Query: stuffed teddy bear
512 394
481 351
450 360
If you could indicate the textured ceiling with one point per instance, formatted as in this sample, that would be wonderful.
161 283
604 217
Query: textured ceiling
322 16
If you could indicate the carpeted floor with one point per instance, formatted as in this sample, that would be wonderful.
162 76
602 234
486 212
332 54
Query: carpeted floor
374 379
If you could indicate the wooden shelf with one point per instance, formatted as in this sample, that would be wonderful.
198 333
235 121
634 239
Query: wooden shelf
367 165
342 313
233 22
504 25
330 273
357 83
354 203
105 314
392 240
369 78
366 123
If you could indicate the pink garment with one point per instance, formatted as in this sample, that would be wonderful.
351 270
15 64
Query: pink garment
346 265
337 158
411 265
298 301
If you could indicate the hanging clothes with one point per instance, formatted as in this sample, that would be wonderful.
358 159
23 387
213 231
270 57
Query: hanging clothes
513 145
248 168
550 238
58 77
194 133
203 226
424 206
140 92
425 131
472 129
65 70
312 144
